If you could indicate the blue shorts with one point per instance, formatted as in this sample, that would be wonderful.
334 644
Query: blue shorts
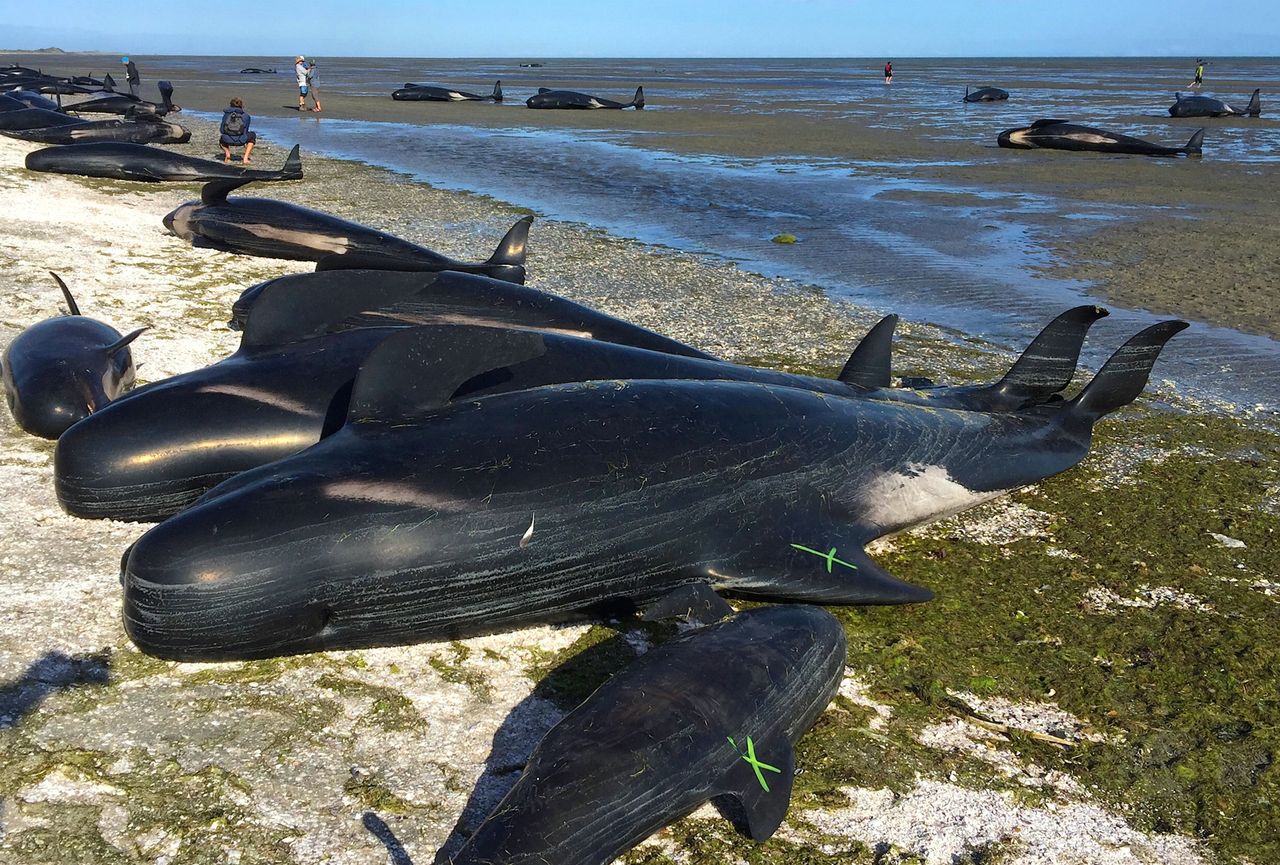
302 91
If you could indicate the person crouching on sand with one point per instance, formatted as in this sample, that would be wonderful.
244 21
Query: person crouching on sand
305 72
234 131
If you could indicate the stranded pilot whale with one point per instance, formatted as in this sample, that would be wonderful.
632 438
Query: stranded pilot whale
547 98
986 94
420 519
278 229
1207 106
61 369
289 382
122 161
125 103
714 713
142 129
1064 135
429 93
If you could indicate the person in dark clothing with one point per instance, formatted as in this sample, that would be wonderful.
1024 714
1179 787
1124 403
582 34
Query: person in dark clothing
234 131
888 72
131 73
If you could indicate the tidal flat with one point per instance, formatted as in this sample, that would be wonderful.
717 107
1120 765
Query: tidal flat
1094 682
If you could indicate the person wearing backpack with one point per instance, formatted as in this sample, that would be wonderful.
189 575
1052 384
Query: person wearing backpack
234 131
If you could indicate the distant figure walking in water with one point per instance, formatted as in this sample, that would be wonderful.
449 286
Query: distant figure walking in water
888 72
305 72
1199 79
131 75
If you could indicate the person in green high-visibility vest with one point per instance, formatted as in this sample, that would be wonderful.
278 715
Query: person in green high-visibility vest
1199 79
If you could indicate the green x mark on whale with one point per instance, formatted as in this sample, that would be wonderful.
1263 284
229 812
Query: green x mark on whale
829 556
750 757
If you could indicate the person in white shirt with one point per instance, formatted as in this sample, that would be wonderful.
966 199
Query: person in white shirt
304 72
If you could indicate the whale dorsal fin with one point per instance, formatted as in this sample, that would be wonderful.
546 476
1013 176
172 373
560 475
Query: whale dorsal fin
760 779
416 370
305 305
66 293
544 89
1047 122
871 363
216 191
123 342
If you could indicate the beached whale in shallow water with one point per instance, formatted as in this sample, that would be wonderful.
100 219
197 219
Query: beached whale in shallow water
986 94
430 93
62 369
124 103
712 714
254 70
1064 135
143 129
547 98
1207 106
306 336
278 229
422 519
122 161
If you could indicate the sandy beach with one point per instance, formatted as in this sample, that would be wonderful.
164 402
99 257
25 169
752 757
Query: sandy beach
1094 683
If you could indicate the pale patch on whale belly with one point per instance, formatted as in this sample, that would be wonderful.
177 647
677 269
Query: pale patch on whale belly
895 501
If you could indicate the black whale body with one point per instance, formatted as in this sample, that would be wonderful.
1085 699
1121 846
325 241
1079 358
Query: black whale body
288 381
125 161
1063 135
60 370
669 733
431 93
20 119
144 129
412 523
547 98
278 229
31 99
986 94
1207 106
124 103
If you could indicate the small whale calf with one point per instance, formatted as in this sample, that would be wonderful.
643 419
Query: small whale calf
1064 135
714 714
1207 106
124 161
986 94
277 229
423 518
547 98
430 93
62 369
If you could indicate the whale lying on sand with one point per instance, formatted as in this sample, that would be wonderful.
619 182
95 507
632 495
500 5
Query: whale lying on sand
60 370
278 229
153 453
1207 106
1064 135
712 714
124 103
547 98
122 161
430 93
23 118
986 94
421 519
143 129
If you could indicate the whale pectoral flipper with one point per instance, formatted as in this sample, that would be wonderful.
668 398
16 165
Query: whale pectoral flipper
760 780
696 602
823 568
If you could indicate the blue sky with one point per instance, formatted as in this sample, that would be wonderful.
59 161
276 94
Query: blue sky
665 28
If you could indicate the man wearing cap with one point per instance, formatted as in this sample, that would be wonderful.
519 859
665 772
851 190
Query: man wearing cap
131 74
304 72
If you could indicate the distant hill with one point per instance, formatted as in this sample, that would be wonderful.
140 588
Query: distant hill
32 51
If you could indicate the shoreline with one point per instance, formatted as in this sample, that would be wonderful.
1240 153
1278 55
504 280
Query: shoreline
279 759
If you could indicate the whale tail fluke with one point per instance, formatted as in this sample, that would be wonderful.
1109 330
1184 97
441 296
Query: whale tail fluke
871 364
637 101
1254 108
292 168
1049 363
497 91
66 294
1121 379
1194 146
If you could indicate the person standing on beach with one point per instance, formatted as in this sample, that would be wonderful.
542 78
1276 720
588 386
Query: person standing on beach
1199 79
131 75
305 72
888 72
234 131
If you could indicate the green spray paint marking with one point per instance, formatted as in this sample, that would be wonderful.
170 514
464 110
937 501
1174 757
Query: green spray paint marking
750 757
829 556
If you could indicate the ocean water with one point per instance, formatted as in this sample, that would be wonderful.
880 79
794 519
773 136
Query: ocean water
963 255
